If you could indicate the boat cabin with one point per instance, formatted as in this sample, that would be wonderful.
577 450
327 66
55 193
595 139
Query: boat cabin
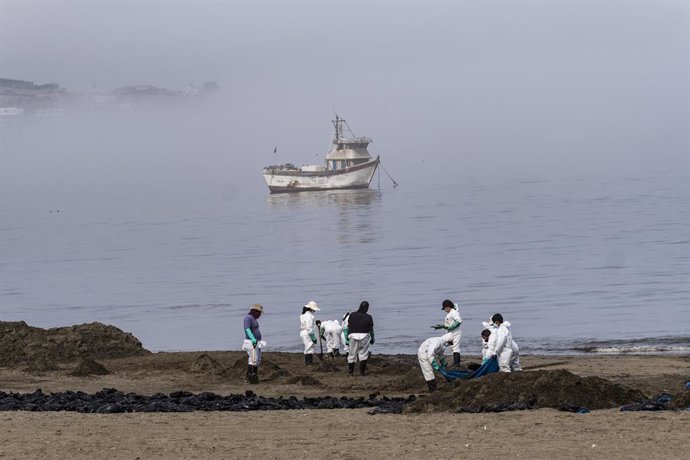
347 153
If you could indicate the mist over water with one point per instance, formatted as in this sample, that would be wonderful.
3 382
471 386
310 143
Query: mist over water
541 149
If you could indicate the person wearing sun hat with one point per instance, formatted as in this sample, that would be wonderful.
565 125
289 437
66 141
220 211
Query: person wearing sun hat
252 341
308 330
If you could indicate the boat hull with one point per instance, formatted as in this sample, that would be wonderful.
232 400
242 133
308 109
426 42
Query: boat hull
303 181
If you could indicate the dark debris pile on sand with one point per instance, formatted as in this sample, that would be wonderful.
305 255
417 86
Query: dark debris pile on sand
114 401
527 390
23 344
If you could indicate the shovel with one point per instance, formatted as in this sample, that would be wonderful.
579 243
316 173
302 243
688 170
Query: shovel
320 346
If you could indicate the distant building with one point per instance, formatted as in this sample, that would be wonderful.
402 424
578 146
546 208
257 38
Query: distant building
53 112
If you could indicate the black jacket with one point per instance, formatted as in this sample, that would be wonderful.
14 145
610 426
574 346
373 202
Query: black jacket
360 323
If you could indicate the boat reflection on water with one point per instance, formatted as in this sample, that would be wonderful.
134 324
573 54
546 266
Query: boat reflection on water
341 199
355 212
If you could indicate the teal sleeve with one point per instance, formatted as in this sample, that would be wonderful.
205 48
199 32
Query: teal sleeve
250 336
346 332
454 325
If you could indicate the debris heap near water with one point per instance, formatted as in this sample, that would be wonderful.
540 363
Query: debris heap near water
24 344
528 390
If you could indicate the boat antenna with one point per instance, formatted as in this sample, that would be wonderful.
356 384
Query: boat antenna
338 128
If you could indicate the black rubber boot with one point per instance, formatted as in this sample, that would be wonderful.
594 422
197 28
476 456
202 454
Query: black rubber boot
331 355
456 359
350 369
309 359
336 352
249 372
363 368
432 385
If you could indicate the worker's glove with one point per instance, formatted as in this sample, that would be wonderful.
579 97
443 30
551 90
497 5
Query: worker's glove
313 338
372 341
444 363
438 326
253 340
347 341
435 365
485 360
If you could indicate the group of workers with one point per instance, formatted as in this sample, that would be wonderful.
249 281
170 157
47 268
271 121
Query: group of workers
356 333
496 341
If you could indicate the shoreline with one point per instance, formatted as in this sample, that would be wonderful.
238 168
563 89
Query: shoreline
393 375
342 433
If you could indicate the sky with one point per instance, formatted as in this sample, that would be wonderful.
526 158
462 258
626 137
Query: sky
480 87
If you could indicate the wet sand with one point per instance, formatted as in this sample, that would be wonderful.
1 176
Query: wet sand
543 433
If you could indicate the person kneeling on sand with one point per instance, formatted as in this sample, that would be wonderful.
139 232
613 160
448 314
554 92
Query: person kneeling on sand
330 331
430 356
252 342
486 333
360 335
502 346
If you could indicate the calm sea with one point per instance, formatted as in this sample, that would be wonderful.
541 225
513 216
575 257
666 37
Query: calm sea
594 263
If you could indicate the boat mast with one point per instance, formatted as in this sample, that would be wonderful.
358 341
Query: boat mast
338 128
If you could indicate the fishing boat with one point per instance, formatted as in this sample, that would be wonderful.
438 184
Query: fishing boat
348 166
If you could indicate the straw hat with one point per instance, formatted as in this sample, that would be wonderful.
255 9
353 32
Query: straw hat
313 306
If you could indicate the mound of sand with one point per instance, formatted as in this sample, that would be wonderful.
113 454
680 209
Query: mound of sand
88 367
204 364
529 389
304 380
20 343
326 365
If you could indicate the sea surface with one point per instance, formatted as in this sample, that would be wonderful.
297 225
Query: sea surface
593 263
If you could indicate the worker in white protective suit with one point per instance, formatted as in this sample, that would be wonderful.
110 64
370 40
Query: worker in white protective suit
307 331
430 356
502 346
343 335
452 325
486 335
330 331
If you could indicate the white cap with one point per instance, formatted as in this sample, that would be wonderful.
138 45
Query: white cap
313 306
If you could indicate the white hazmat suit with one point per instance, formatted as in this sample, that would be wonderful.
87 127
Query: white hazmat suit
452 325
307 331
501 345
331 331
346 347
431 350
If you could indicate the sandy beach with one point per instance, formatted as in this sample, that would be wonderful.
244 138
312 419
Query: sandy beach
342 433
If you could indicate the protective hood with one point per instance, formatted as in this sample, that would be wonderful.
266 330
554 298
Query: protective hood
363 307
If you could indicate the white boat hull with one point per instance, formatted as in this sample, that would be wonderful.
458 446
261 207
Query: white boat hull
301 181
